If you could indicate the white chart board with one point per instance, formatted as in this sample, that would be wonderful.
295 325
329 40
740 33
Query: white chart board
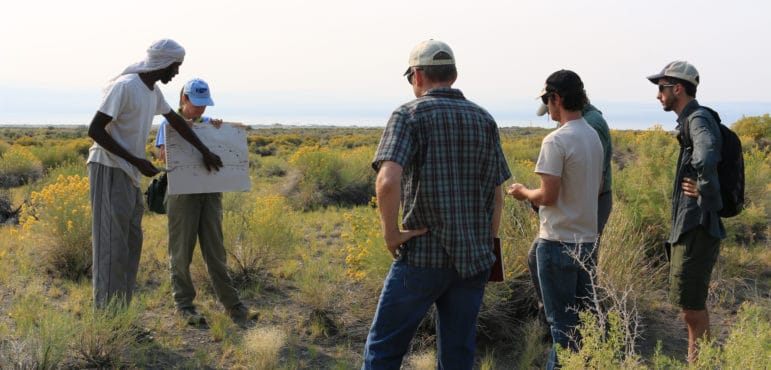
186 171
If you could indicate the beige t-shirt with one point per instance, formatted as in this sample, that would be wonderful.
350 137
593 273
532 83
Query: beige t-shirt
132 107
572 152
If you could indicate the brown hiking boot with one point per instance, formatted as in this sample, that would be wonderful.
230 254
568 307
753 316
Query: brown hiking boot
242 315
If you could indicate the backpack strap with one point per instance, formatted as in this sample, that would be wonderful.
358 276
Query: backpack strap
685 129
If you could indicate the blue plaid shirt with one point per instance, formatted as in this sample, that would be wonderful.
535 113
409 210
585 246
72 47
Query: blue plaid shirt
451 155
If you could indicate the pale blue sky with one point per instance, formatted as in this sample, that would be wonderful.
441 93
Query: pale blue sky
340 61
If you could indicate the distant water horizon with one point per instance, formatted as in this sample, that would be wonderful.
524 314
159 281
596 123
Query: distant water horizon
619 115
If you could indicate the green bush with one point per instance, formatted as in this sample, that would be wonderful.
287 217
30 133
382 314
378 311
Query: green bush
601 347
269 166
331 177
50 156
645 182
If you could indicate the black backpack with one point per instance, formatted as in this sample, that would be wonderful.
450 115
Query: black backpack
155 194
730 169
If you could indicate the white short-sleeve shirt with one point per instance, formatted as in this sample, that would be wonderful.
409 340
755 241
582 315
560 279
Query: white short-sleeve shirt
572 152
132 106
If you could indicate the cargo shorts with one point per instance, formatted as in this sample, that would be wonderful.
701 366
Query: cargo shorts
692 260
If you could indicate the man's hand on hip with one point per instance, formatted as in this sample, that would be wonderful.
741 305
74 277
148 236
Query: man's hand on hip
395 239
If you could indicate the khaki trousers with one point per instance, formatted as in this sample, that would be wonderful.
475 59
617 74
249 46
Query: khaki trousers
198 216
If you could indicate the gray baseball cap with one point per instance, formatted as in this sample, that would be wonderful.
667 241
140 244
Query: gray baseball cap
424 54
678 69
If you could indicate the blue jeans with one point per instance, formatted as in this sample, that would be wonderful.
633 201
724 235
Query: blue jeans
408 293
565 289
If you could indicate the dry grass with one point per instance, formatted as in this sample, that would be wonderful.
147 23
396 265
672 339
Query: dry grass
262 347
422 361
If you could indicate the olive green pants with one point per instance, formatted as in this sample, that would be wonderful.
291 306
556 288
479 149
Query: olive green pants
198 216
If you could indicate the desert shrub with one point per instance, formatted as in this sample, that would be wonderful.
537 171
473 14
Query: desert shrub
645 183
739 270
521 149
65 169
106 335
329 177
79 145
56 152
59 217
748 345
351 141
315 268
19 166
357 176
754 127
8 212
750 226
624 269
261 145
601 347
367 259
757 171
270 166
4 147
283 144
624 283
42 335
26 141
261 234
507 306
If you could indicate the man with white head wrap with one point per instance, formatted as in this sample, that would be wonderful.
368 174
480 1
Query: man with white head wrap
160 55
116 163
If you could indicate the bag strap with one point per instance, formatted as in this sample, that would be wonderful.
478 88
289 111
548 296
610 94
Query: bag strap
685 129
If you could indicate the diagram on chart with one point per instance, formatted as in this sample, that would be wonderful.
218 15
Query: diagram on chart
186 171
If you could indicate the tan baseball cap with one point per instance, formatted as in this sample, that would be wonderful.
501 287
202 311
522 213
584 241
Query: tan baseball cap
425 54
542 109
678 69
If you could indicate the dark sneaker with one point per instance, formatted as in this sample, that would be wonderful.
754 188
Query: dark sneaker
192 317
242 315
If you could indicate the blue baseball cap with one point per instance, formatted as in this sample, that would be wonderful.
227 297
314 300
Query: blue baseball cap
197 90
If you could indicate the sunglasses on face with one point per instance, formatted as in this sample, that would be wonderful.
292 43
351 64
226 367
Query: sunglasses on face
545 98
664 86
409 75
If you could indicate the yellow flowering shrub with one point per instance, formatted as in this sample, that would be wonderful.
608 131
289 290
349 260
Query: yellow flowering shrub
366 257
259 235
59 216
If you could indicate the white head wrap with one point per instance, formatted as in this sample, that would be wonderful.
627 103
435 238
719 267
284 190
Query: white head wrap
160 55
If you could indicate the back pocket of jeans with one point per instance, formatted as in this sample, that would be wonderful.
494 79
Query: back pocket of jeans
423 281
